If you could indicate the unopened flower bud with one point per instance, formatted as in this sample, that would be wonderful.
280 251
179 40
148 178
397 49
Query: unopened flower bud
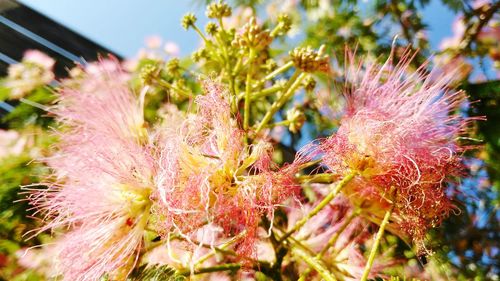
173 67
149 73
296 118
284 24
179 85
188 21
253 36
218 10
309 60
270 65
211 28
309 84
199 55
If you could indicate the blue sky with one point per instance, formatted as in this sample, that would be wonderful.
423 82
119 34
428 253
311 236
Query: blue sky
122 26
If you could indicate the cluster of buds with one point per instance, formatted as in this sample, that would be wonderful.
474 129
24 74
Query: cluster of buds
35 70
188 21
211 28
296 119
284 25
309 84
253 36
173 67
309 60
149 74
218 10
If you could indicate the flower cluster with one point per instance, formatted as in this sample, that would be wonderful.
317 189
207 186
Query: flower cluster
102 178
156 170
34 70
399 137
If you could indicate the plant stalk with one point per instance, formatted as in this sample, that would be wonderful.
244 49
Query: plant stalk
378 238
320 206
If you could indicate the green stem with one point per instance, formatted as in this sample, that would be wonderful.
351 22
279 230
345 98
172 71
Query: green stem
221 248
378 238
264 92
309 164
222 267
273 74
320 206
314 263
318 178
336 236
294 83
200 33
169 86
237 67
331 242
275 31
246 113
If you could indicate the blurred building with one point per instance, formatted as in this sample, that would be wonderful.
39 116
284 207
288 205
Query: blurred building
22 28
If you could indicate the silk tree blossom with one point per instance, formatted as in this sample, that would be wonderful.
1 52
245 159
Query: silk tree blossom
33 71
208 176
102 179
399 136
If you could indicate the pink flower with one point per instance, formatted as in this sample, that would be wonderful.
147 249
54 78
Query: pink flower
39 58
206 175
171 48
11 143
102 178
35 70
399 136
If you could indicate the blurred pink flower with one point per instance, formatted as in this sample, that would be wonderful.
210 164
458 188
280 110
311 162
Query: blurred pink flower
33 71
171 48
11 143
153 42
102 171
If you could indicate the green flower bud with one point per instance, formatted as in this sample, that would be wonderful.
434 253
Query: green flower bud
218 10
309 84
296 118
309 60
198 55
252 36
173 67
211 28
149 73
270 65
284 24
188 20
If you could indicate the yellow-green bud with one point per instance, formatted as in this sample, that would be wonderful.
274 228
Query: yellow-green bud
309 60
284 24
309 84
173 67
270 65
149 73
296 119
252 36
218 10
199 55
211 28
188 20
